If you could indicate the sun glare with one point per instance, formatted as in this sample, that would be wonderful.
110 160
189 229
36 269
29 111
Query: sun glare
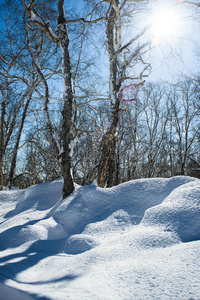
165 23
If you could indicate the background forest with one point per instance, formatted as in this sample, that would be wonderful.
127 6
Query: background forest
97 48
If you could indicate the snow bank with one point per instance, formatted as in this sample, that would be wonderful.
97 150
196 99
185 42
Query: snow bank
92 204
179 212
40 197
24 214
13 197
124 242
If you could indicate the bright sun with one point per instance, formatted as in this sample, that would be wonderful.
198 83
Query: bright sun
165 24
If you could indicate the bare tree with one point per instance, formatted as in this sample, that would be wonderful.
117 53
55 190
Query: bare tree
122 55
184 113
61 38
16 88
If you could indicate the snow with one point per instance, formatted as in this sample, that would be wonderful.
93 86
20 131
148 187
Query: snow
35 18
138 240
53 34
9 293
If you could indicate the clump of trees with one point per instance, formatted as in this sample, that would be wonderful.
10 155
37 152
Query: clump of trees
61 111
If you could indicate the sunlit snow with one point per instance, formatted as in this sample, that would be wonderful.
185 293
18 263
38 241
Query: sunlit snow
138 240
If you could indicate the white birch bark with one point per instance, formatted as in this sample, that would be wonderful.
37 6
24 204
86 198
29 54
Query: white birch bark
62 39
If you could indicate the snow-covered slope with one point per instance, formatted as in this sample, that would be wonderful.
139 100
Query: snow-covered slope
139 240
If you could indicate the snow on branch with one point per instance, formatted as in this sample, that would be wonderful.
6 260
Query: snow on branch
35 18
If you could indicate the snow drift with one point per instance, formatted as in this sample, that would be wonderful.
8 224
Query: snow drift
91 204
125 242
179 212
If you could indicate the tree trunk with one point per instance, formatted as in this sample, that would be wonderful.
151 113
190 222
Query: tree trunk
106 166
61 38
67 135
117 168
14 158
2 133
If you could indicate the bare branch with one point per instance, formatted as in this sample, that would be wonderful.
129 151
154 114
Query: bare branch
191 2
132 41
36 19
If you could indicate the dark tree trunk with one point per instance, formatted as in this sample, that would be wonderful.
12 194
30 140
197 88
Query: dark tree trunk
67 134
14 158
106 168
2 133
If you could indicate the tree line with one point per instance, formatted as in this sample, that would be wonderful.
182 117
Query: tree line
63 66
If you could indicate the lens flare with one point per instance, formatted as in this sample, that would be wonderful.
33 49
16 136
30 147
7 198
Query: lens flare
155 41
165 23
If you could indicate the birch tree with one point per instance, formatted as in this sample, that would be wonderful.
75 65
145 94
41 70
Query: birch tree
122 55
61 38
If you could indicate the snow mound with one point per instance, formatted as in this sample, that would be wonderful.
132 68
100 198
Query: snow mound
146 238
46 229
179 212
49 229
119 221
40 197
113 231
31 233
126 242
13 196
79 243
92 204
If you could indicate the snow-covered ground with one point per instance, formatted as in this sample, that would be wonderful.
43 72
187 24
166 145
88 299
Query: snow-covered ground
139 240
